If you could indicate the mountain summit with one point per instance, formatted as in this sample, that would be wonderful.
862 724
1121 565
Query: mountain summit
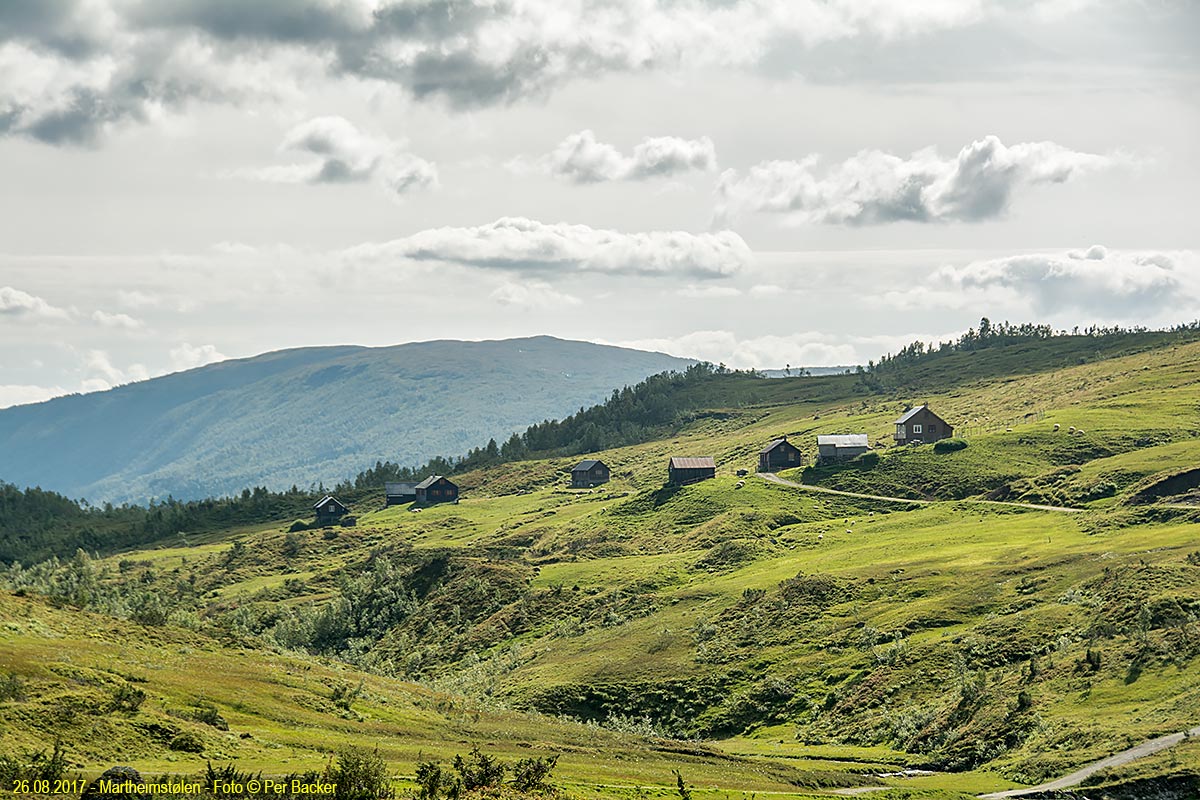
305 415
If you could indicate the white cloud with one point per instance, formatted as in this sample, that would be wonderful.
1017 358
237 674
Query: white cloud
873 187
1119 285
756 352
187 356
534 294
122 321
526 245
132 298
102 374
583 159
20 394
344 154
694 292
16 303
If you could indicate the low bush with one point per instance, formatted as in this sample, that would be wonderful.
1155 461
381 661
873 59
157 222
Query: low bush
949 445
187 742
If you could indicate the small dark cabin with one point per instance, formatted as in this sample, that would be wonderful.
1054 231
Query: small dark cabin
588 473
436 489
920 425
778 454
329 510
683 470
399 493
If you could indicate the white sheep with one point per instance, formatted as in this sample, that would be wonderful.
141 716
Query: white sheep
740 484
849 531
1057 426
1071 429
820 536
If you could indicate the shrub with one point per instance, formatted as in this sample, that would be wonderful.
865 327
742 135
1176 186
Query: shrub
207 714
361 774
298 526
11 687
532 774
349 522
432 781
187 742
127 698
293 543
949 445
868 459
478 770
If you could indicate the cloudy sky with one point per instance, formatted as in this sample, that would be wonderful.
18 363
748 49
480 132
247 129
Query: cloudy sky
758 182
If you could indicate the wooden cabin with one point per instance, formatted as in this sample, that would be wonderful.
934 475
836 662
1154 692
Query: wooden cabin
683 470
778 454
919 425
329 510
588 473
832 448
436 489
400 492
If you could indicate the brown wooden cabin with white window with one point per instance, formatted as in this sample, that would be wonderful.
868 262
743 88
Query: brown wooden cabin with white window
588 473
436 489
778 454
919 425
329 510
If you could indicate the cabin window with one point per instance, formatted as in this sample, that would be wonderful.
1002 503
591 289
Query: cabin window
791 456
932 428
916 428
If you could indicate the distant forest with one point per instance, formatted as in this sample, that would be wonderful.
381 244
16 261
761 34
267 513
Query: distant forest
36 524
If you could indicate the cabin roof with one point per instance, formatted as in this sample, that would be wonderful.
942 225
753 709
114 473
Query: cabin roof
328 499
771 445
586 464
843 440
400 487
690 462
912 412
430 481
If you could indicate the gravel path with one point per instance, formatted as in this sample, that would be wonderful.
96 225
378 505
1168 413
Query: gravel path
773 478
1124 757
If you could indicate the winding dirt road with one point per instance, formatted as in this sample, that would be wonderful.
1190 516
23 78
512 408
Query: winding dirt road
768 476
1078 776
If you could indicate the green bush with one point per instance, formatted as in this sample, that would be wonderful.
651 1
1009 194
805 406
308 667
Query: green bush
479 770
11 687
127 698
949 445
298 526
868 459
533 774
187 742
361 774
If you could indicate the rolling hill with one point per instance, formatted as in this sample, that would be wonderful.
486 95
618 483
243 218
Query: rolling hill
304 416
997 616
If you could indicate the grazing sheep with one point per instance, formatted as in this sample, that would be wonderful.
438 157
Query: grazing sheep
1071 429
849 531
1079 431
820 536
740 484
1057 426
1008 430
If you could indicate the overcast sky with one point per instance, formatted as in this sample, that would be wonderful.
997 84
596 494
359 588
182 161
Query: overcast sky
763 182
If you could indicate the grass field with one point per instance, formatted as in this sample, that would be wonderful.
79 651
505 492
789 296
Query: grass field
757 637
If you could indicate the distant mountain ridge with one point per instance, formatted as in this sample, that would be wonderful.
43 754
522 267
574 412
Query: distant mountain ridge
305 415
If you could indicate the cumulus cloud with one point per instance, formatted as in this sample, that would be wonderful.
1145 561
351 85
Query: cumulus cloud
583 159
526 245
122 321
15 303
1114 284
102 374
874 188
187 356
694 292
72 69
19 394
755 352
344 154
534 294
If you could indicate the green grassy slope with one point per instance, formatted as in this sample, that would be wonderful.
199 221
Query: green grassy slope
991 644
